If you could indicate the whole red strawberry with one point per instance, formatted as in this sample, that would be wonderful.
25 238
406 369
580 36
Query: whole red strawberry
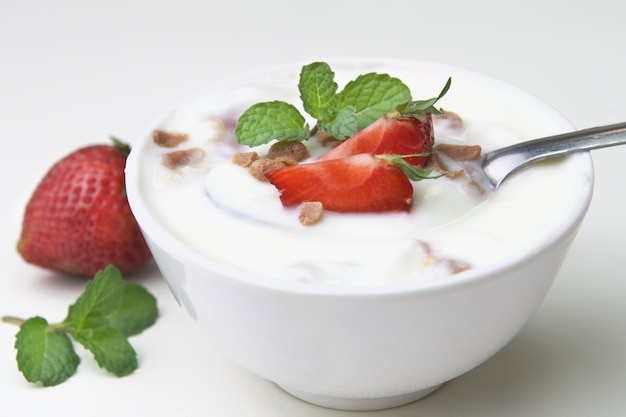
78 220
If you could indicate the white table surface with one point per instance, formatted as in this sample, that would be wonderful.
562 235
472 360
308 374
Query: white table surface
74 72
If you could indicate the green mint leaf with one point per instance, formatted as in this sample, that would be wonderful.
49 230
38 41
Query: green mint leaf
102 296
127 306
109 347
104 315
137 311
44 356
263 122
343 125
109 310
419 108
318 91
373 95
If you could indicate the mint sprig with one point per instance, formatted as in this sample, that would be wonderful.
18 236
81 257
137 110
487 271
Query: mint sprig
103 317
338 113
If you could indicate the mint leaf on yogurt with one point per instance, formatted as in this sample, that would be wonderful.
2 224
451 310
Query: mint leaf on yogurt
318 91
267 121
339 114
344 124
373 95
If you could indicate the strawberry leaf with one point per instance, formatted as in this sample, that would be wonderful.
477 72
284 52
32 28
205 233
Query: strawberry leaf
318 91
121 146
419 108
373 95
266 121
412 172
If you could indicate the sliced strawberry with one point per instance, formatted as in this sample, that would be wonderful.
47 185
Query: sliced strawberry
392 133
358 183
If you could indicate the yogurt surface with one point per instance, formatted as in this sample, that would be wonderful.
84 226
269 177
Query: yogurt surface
224 213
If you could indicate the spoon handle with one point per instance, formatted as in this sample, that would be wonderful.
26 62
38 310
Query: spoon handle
501 162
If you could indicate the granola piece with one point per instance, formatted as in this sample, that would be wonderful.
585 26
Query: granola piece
452 266
259 167
291 149
439 165
311 212
455 153
176 159
445 265
451 119
327 140
168 139
474 188
286 160
212 129
460 152
244 159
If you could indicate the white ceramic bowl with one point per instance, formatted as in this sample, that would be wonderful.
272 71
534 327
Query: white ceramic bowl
363 348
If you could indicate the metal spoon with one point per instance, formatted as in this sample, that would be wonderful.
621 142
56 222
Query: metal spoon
495 166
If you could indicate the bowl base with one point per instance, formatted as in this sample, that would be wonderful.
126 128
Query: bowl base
359 404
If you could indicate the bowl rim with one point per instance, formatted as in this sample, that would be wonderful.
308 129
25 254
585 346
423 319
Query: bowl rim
157 233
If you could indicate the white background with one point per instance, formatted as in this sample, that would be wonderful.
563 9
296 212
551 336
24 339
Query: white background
74 72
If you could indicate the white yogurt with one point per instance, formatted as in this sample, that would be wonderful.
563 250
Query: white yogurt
224 213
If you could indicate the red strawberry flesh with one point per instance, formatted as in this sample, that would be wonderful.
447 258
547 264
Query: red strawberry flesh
390 134
358 183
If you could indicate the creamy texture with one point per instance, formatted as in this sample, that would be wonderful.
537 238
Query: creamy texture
220 210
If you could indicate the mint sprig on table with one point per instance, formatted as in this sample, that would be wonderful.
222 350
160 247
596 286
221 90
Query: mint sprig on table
338 113
103 317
